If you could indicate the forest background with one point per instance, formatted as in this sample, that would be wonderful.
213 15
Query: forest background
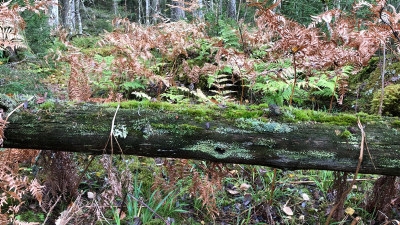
329 56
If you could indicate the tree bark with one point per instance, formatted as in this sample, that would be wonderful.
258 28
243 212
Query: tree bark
232 9
54 21
78 16
148 12
205 134
68 16
198 13
177 12
115 7
156 14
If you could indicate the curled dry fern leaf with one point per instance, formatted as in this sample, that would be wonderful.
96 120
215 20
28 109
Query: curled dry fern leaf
36 190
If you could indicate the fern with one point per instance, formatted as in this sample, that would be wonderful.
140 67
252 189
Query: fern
141 95
228 35
36 190
322 86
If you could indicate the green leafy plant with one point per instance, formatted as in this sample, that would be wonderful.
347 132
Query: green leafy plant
228 35
103 80
391 101
221 81
174 95
134 85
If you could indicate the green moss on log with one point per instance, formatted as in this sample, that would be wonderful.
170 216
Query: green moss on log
220 150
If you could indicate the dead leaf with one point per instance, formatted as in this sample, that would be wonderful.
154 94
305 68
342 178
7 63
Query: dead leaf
232 192
305 197
244 186
286 209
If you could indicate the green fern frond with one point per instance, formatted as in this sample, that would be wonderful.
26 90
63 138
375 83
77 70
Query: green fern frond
141 95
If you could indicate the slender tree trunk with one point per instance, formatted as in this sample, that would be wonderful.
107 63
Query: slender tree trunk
238 10
140 12
219 9
382 79
115 7
78 16
156 9
198 13
232 9
328 26
147 12
69 15
54 20
178 13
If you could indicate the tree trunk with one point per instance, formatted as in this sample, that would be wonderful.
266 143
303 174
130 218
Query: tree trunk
232 9
69 16
177 12
198 13
206 134
54 20
115 7
148 12
156 8
140 12
78 16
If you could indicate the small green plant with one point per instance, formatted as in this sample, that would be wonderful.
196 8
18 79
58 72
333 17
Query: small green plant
228 35
174 95
85 42
391 101
221 82
104 82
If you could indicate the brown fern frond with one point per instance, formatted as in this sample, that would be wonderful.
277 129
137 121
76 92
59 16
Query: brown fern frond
36 190
11 25
78 84
61 175
72 212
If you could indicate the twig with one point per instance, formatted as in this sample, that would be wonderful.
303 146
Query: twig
83 173
360 159
51 209
110 137
20 105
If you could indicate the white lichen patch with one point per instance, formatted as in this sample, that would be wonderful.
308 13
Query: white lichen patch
221 150
120 131
268 142
229 130
306 154
261 126
321 154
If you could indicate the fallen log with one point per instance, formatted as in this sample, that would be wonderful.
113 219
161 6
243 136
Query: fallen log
295 139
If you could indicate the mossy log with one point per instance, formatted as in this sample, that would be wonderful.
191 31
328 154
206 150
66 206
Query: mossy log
232 134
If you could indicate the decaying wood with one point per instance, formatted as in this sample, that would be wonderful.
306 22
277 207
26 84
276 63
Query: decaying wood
180 133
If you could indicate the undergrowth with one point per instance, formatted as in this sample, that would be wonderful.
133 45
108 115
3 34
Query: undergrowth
171 191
